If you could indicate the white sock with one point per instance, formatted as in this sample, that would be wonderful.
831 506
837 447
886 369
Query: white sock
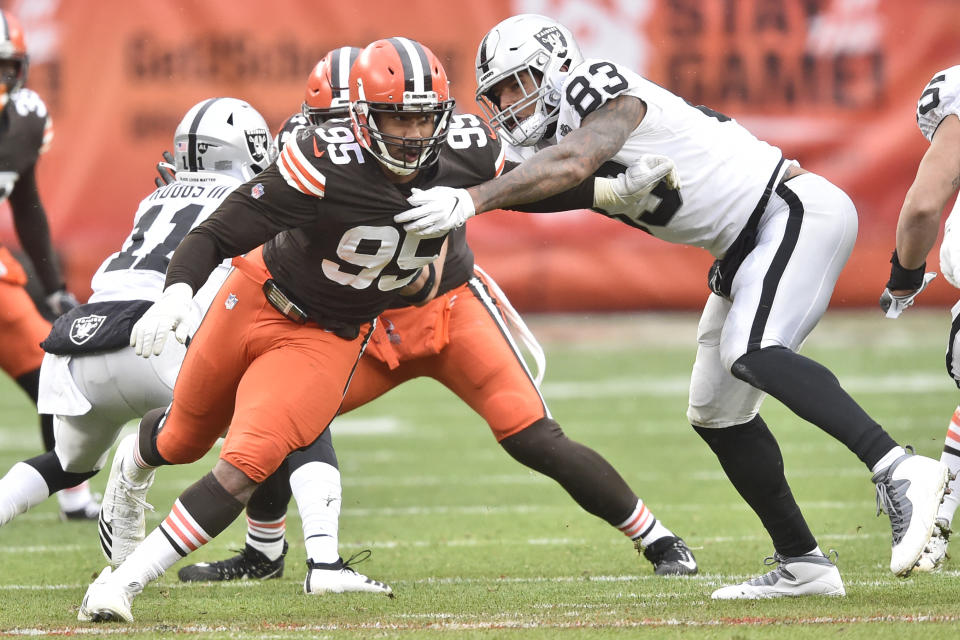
888 459
133 467
149 561
643 526
951 458
316 487
815 552
75 498
22 488
266 536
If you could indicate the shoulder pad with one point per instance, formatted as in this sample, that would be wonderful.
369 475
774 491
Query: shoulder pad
940 98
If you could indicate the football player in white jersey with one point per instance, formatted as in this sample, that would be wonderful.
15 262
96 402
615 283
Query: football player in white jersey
781 236
91 380
937 180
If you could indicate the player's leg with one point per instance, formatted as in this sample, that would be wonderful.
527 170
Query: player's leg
779 294
723 411
276 412
23 329
936 551
483 366
262 556
203 403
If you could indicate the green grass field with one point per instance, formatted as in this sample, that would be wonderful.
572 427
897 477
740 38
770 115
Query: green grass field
476 546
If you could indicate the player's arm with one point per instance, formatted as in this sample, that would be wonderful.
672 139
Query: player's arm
424 287
937 180
567 164
33 231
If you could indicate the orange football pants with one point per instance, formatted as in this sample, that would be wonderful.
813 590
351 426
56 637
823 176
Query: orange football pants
276 384
459 339
22 328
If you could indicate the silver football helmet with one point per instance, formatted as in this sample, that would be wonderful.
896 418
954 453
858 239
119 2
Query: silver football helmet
223 135
536 53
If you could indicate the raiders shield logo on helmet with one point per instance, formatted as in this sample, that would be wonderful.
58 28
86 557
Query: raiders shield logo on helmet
84 328
552 40
257 142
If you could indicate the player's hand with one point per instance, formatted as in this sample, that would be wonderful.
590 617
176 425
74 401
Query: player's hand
633 185
436 210
167 170
895 304
950 257
169 313
61 301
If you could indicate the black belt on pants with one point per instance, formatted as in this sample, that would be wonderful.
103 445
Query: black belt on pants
723 270
294 312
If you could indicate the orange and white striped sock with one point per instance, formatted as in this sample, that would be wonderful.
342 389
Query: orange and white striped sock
266 536
642 525
951 458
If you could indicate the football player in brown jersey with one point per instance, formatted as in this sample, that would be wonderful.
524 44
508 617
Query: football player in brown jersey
26 131
442 341
273 357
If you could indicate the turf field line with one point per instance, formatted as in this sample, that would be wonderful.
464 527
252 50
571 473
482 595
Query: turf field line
455 623
705 578
474 542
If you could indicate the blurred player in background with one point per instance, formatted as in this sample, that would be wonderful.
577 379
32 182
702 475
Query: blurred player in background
439 340
91 379
781 236
937 180
26 131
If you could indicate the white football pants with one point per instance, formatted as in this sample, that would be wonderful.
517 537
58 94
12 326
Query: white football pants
121 386
777 297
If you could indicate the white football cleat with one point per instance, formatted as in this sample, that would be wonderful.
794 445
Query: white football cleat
121 513
810 575
936 550
910 491
106 601
341 577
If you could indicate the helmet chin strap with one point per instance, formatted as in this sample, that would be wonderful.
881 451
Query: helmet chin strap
385 153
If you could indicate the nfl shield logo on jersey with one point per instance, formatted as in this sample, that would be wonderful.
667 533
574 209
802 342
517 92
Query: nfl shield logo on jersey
256 190
84 328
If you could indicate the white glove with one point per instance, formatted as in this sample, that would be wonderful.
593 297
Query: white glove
61 301
950 257
436 210
893 305
630 187
169 313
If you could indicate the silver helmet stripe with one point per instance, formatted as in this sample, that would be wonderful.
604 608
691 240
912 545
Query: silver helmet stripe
5 26
340 63
192 135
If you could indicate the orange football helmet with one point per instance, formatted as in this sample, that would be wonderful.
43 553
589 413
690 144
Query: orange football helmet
328 87
399 75
13 49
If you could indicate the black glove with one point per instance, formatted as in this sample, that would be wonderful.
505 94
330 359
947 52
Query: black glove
166 169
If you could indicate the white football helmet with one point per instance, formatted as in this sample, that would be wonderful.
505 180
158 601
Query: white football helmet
531 47
223 135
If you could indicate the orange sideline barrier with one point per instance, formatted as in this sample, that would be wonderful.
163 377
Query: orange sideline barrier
835 88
